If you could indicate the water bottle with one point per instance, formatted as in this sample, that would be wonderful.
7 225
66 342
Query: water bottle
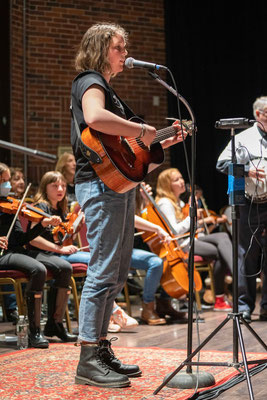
22 333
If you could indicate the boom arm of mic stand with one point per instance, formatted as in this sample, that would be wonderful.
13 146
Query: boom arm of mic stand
174 92
192 217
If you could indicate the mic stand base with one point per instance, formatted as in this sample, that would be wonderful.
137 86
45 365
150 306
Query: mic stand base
237 319
186 380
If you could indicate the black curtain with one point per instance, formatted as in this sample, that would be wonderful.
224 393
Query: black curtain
218 56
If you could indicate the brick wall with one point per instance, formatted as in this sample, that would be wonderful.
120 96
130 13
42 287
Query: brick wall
53 32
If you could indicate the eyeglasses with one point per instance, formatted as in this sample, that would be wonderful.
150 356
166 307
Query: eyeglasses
264 112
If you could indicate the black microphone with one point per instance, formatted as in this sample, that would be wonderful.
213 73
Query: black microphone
132 63
239 123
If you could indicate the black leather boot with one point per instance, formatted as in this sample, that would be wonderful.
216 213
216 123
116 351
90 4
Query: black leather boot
109 358
57 303
92 370
164 308
34 304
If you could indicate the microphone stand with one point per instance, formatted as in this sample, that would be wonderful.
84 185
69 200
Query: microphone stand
235 316
188 380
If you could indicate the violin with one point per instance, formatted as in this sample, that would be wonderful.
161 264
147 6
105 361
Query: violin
63 233
206 213
10 205
174 280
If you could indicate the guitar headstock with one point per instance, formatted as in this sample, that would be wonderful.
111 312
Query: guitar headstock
187 124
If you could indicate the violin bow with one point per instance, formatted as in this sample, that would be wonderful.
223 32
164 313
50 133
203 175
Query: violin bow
82 248
16 215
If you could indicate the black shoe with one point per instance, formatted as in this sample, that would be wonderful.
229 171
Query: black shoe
247 316
206 306
92 370
12 316
37 340
53 328
109 358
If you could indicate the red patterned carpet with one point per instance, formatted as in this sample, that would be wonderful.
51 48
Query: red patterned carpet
49 374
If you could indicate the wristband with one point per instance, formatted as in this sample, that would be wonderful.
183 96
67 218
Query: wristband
143 131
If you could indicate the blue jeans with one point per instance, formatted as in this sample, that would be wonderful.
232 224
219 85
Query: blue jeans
82 257
151 263
109 218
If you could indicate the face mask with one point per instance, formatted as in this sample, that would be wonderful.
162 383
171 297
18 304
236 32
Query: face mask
5 189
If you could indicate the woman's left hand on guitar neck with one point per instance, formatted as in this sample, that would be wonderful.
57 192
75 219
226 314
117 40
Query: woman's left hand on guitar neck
179 137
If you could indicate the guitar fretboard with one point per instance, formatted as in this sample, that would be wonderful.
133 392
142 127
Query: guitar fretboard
168 132
164 133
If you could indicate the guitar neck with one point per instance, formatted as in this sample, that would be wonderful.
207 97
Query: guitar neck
164 133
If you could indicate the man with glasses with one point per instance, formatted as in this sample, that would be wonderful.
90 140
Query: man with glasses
251 150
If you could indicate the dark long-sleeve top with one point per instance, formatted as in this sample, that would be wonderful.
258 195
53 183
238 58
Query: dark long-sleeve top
18 238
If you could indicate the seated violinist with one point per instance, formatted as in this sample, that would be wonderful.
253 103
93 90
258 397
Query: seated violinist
15 257
17 190
17 182
51 198
216 246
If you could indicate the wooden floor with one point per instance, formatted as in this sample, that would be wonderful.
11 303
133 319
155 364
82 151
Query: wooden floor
175 336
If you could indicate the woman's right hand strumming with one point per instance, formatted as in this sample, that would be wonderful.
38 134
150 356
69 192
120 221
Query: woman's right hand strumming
149 134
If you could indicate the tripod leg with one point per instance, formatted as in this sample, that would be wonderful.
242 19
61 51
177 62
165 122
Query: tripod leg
197 350
254 333
242 347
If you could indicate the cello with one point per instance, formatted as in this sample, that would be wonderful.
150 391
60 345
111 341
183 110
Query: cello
174 280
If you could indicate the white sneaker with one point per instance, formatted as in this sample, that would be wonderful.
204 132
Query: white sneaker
120 317
113 327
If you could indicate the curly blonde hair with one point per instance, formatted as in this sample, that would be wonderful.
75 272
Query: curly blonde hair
164 189
94 46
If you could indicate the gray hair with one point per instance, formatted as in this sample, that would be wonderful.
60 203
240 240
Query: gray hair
259 104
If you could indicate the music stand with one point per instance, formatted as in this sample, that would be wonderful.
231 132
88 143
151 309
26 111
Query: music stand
235 316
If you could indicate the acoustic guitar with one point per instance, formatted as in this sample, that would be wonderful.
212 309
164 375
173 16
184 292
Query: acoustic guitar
126 160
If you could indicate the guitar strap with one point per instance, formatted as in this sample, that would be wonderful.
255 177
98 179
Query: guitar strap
89 153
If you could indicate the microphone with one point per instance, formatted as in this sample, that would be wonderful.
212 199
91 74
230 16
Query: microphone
239 123
130 62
